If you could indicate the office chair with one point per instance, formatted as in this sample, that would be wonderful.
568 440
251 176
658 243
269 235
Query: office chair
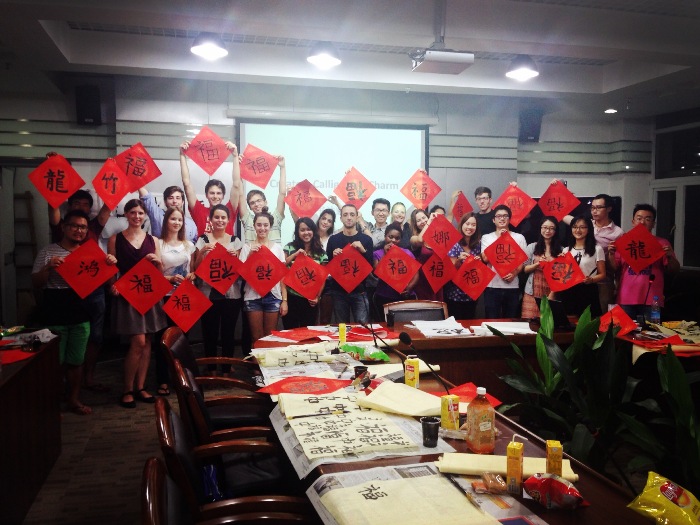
416 310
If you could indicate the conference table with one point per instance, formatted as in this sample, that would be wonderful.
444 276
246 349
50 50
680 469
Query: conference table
608 501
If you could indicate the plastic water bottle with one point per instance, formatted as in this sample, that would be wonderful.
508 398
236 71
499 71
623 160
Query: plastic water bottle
481 428
655 311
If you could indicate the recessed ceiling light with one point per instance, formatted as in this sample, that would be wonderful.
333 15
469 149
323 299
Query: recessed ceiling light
323 55
610 111
522 68
209 46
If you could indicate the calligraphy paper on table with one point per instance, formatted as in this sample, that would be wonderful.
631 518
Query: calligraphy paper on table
300 398
143 286
562 272
56 180
639 248
208 150
473 277
618 317
440 235
505 254
461 206
111 184
349 268
263 270
186 305
519 202
306 277
354 188
438 271
219 269
257 166
420 189
304 199
85 269
558 201
397 268
138 166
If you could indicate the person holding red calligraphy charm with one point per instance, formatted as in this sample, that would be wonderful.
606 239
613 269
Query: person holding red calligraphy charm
419 222
221 318
263 312
459 304
385 293
302 311
544 250
177 254
326 227
591 259
129 247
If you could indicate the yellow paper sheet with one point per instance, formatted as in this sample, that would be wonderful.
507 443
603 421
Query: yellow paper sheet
414 501
295 405
398 398
477 464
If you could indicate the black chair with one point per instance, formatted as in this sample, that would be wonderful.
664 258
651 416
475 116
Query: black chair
416 310
247 471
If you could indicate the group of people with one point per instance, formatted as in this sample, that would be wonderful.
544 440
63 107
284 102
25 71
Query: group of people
178 244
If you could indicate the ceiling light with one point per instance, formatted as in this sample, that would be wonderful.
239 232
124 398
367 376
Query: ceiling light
323 55
522 68
610 111
209 46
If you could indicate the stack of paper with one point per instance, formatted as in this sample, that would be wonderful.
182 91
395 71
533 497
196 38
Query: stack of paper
399 398
505 327
447 328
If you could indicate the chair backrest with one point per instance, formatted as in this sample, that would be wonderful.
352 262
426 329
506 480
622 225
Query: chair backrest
193 410
176 447
177 346
161 500
416 310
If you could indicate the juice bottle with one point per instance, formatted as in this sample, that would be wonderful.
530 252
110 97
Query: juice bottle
481 429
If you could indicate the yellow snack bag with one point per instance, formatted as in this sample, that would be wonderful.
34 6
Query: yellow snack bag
666 502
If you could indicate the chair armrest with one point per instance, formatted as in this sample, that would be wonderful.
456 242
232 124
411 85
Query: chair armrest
234 447
225 382
256 504
233 361
263 402
257 433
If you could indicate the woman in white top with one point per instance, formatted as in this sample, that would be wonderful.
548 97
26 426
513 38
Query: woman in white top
591 260
263 312
177 255
223 314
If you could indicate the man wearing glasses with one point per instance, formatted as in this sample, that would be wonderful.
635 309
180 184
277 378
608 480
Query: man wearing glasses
62 309
501 297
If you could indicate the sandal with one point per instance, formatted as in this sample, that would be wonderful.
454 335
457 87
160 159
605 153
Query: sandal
163 390
80 409
144 399
128 404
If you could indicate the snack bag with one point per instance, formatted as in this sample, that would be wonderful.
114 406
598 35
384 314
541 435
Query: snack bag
666 502
553 492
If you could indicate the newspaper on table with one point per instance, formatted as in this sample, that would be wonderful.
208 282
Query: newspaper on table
410 494
303 465
447 328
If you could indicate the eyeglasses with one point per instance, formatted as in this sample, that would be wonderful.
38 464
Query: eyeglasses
644 219
256 201
579 227
548 228
77 227
483 198
596 208
501 216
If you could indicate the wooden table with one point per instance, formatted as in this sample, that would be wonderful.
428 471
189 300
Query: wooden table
30 429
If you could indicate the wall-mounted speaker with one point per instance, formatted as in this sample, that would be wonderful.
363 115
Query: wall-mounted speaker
530 125
88 111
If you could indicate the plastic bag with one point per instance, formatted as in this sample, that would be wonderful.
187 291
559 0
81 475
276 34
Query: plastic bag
666 502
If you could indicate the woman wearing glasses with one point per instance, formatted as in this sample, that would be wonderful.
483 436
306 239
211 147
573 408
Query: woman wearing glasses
544 250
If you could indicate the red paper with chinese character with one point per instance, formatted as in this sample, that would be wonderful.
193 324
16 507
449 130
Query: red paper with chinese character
304 199
505 255
219 269
257 166
263 270
143 286
306 277
138 165
438 271
56 180
354 188
208 150
305 385
558 201
186 305
111 184
619 318
420 189
397 268
349 268
85 269
639 248
440 236
461 206
473 277
562 272
519 202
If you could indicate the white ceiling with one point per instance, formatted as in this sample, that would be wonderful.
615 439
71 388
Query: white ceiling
641 56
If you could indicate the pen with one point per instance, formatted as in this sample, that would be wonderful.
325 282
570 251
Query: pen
342 371
334 413
464 491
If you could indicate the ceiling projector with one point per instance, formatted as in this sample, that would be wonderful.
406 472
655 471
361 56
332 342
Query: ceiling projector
446 62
